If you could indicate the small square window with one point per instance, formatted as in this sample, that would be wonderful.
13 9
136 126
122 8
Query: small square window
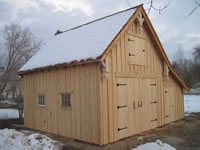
41 100
65 100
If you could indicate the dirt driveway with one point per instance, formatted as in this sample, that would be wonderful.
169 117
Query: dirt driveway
183 135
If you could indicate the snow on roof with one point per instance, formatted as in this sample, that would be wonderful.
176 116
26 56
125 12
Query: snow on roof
87 41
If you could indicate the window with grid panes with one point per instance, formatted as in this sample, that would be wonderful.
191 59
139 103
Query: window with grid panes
41 100
65 100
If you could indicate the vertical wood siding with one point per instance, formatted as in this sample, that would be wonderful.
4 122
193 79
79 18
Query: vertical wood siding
94 116
82 120
119 67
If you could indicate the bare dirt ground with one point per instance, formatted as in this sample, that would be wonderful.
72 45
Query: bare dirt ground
183 135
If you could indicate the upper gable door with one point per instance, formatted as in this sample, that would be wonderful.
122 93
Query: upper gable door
137 50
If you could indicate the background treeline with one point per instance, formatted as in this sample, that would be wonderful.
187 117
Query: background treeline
188 68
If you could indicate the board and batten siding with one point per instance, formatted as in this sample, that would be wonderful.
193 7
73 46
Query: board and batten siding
121 67
82 120
94 116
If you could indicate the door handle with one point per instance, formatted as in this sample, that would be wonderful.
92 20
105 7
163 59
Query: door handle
138 104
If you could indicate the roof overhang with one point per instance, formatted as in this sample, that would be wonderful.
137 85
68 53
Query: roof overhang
62 65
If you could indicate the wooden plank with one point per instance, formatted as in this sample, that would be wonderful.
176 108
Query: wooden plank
77 99
114 90
123 54
73 108
110 104
83 108
99 107
123 111
104 100
119 65
126 53
132 75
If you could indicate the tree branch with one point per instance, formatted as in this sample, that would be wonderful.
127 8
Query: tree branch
159 9
194 9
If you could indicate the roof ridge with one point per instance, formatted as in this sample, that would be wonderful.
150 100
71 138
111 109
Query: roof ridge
59 32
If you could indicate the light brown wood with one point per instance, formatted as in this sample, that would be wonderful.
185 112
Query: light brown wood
95 115
81 120
139 77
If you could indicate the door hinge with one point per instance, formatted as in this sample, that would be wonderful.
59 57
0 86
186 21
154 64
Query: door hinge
154 120
118 107
130 40
119 129
154 102
119 84
154 84
166 91
131 54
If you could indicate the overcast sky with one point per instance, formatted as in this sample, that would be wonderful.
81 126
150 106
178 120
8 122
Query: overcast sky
44 17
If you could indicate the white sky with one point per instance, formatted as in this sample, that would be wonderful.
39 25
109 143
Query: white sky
44 17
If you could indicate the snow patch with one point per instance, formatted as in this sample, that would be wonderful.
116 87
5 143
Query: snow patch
157 145
11 139
9 113
10 102
191 104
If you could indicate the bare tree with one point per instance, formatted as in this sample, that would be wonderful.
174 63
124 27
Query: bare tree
196 54
183 67
179 55
196 64
18 45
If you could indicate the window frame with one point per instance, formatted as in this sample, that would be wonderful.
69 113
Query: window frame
40 100
66 101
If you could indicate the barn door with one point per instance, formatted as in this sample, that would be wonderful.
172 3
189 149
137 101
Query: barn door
149 104
144 105
135 106
153 103
122 107
169 104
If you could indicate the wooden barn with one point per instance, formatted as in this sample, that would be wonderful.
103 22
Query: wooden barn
102 81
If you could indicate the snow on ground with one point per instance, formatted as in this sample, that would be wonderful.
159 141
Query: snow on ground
157 145
11 139
191 103
8 113
194 91
10 102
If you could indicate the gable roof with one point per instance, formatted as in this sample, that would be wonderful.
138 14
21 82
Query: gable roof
82 43
161 49
89 42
